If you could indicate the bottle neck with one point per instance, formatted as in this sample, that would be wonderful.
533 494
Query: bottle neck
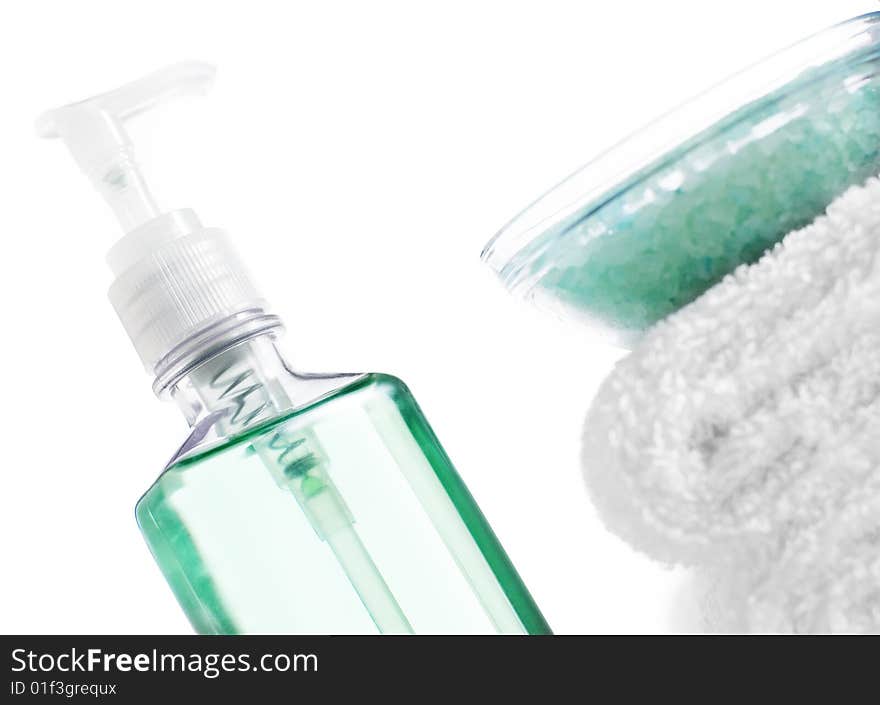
241 382
247 383
210 341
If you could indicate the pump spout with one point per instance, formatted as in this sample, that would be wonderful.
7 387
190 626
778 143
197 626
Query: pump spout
94 131
174 279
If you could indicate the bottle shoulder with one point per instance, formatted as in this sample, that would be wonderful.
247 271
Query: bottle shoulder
207 436
373 392
388 384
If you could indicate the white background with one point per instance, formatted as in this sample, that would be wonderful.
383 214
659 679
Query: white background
360 154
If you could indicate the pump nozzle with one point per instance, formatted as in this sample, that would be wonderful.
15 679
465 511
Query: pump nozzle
174 278
94 131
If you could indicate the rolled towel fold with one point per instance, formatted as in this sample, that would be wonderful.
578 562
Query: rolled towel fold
742 424
826 578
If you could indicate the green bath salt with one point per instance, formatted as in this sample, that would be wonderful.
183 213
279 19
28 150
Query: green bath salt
634 252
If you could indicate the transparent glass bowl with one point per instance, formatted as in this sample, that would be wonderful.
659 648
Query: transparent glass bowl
655 221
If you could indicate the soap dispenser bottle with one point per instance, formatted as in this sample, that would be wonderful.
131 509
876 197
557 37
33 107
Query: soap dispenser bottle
299 503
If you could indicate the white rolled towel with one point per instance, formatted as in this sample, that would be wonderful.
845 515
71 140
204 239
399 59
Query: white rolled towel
743 428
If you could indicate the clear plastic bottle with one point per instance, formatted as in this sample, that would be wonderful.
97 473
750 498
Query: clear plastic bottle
299 503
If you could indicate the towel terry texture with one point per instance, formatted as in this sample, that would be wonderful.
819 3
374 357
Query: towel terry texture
742 435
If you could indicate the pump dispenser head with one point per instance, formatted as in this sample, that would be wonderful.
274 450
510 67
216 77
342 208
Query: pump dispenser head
178 286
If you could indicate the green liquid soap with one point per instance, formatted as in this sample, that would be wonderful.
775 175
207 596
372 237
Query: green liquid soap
656 241
242 554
